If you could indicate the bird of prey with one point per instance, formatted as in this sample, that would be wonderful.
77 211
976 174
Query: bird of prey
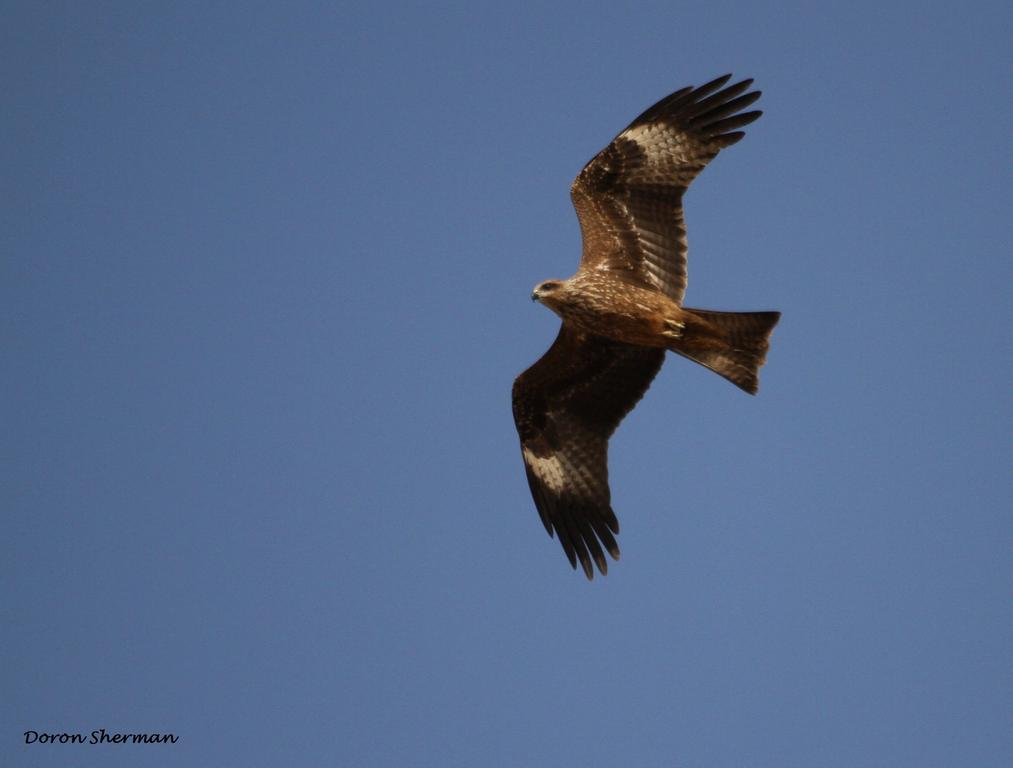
623 309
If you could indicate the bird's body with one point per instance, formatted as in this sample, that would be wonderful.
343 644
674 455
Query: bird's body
599 304
623 309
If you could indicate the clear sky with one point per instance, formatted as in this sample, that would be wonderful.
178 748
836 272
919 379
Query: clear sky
265 287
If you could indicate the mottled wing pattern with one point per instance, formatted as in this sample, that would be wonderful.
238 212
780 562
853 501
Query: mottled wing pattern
566 406
629 197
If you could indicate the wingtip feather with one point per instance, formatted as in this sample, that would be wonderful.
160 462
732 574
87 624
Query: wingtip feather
727 139
717 82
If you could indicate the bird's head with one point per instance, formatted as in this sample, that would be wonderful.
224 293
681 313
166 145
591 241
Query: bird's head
548 292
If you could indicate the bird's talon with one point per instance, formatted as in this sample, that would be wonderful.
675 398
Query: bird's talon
673 329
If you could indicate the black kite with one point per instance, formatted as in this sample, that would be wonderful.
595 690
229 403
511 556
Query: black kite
623 309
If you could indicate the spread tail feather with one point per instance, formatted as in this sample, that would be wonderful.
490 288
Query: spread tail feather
732 344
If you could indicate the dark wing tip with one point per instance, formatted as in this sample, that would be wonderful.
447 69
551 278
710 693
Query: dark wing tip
582 532
713 85
710 110
727 139
678 100
568 550
593 547
735 121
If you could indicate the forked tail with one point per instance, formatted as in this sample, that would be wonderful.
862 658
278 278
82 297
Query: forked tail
732 344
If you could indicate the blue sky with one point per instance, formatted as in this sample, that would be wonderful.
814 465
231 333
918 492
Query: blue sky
265 287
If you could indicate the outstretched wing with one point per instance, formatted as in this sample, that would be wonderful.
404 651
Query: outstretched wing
566 406
629 197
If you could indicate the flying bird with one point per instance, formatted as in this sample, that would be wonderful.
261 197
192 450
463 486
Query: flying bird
623 309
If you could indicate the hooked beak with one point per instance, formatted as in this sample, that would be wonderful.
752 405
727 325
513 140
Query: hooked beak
534 295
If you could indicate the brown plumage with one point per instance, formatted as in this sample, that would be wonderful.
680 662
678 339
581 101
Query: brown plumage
623 309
